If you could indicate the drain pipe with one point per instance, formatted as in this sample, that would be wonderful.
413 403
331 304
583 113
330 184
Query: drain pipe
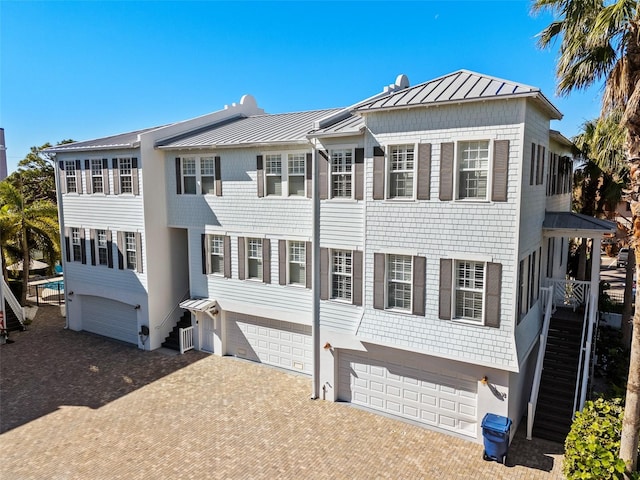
315 286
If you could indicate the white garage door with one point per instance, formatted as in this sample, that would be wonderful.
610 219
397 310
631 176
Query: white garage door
426 397
282 344
109 318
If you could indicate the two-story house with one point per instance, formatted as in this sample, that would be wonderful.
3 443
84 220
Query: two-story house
398 251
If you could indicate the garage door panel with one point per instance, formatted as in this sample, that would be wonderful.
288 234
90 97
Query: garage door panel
270 341
110 318
428 397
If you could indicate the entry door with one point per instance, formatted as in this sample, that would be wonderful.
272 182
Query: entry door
207 331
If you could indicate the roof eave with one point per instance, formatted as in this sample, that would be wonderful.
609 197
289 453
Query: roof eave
351 133
93 148
213 146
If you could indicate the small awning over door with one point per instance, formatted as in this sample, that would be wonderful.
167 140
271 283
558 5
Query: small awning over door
570 224
199 304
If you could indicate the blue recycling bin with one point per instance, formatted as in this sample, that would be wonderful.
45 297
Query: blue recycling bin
495 432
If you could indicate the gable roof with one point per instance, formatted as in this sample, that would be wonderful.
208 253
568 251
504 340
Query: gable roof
576 224
252 130
121 140
458 87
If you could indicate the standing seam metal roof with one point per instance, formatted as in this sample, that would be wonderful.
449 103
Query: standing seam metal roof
122 140
258 129
462 85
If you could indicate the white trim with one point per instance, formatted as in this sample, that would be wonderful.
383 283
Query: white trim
284 173
387 170
456 169
330 173
475 257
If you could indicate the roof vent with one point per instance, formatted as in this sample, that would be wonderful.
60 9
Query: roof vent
402 82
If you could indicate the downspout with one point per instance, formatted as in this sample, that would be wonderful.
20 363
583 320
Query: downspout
63 253
315 285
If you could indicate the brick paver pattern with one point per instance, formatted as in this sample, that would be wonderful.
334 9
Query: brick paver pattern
77 406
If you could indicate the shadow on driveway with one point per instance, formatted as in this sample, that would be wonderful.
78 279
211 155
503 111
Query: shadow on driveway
47 367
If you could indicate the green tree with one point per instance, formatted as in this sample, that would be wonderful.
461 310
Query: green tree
600 40
32 224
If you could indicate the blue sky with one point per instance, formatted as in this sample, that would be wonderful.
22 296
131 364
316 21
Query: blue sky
89 69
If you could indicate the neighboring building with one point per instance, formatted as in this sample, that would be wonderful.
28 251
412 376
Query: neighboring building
394 250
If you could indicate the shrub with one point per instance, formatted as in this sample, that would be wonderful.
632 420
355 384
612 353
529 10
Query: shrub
591 449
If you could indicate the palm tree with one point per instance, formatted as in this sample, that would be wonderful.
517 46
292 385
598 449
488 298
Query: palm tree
601 41
34 224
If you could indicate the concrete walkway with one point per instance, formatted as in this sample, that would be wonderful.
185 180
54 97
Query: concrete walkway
76 406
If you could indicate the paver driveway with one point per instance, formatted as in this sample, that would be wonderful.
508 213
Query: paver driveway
75 406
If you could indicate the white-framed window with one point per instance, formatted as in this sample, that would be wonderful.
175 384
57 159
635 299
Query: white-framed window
273 173
207 175
297 263
97 180
76 246
341 274
216 254
254 258
126 177
401 171
399 282
103 245
473 169
469 290
342 173
189 180
130 250
70 172
296 174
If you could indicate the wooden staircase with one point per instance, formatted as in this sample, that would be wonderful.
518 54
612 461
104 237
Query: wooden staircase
12 322
173 339
554 411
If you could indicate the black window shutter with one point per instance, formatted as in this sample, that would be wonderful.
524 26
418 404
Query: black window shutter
63 177
92 244
135 180
87 176
378 173
79 176
120 239
105 176
203 248
218 175
67 242
322 158
266 260
242 260
424 171
83 247
499 189
446 272
109 249
260 175
542 157
356 290
308 267
309 177
358 167
227 256
324 273
139 265
492 296
446 171
116 176
533 163
178 176
419 272
282 262
378 280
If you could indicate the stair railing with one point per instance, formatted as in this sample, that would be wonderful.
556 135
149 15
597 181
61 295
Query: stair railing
13 302
166 326
583 363
185 336
547 296
587 353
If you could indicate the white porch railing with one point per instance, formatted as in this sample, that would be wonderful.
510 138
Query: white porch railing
584 365
186 339
569 293
13 302
547 297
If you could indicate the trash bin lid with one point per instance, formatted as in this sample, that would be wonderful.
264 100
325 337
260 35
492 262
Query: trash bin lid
497 423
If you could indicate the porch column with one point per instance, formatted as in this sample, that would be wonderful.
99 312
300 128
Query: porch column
596 245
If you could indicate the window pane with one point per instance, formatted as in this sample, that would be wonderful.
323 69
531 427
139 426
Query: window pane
190 185
208 185
296 164
341 275
296 186
399 295
274 185
469 290
297 274
401 184
473 166
130 247
341 168
216 264
255 268
70 171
